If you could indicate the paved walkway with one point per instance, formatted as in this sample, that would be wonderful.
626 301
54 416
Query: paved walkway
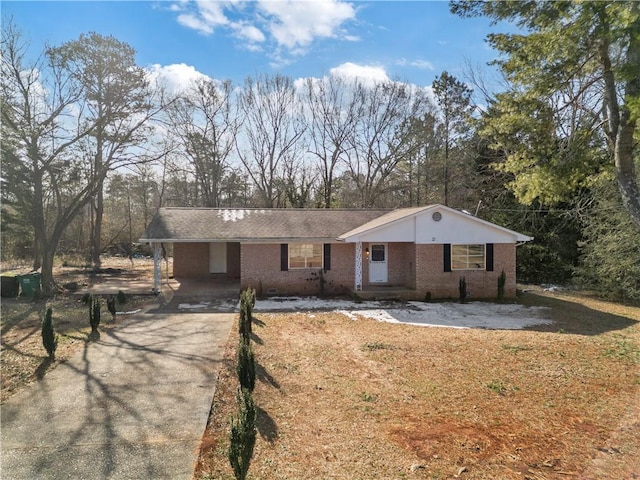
132 405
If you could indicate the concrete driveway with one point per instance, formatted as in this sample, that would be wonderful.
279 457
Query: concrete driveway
132 405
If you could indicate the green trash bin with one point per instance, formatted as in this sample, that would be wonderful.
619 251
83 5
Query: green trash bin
9 286
29 284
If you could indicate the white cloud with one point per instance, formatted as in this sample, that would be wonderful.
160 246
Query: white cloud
195 23
420 64
288 26
368 73
212 12
295 23
249 33
204 18
176 77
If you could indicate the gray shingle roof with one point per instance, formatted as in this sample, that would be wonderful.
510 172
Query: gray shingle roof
236 224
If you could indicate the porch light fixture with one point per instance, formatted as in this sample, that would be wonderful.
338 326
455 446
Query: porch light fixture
366 251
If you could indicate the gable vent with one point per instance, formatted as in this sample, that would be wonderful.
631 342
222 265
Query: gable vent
437 216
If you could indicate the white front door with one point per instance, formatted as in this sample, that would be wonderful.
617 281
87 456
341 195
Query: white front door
378 271
218 257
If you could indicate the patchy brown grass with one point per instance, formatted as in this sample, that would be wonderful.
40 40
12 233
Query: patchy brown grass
24 359
347 399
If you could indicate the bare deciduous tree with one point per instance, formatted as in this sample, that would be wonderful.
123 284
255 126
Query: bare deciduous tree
271 135
377 142
49 114
116 101
205 121
332 113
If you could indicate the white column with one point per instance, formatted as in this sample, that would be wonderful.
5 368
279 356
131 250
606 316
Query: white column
358 266
157 267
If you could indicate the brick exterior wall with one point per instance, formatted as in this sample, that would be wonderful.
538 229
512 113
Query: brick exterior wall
431 277
233 260
191 260
260 268
414 266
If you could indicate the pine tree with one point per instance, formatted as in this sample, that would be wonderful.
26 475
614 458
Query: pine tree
502 280
246 365
247 301
111 306
462 289
94 315
49 337
243 435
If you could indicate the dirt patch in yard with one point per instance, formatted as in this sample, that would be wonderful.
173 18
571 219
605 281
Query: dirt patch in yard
343 398
24 359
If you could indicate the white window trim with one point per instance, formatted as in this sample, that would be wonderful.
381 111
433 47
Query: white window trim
484 257
305 268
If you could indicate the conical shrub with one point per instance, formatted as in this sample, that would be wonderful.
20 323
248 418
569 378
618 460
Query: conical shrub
49 337
246 365
243 435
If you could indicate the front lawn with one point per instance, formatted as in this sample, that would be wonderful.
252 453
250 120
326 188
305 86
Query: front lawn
360 399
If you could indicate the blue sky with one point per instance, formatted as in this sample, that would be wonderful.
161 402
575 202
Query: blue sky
413 41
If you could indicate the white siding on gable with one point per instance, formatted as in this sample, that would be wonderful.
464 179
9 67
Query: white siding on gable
434 224
457 228
403 230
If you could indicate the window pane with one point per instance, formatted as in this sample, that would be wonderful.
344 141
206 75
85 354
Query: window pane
458 264
457 250
314 262
468 257
305 255
296 262
377 253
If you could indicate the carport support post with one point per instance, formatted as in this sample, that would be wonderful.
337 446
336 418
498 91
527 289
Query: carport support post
358 266
157 267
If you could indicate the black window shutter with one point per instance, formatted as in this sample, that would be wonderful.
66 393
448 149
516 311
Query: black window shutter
447 257
489 255
284 257
327 256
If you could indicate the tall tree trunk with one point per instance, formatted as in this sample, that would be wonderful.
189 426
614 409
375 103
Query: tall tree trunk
623 124
625 168
96 234
37 257
46 276
49 247
39 224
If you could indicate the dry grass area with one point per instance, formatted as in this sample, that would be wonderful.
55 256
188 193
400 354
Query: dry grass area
23 357
345 399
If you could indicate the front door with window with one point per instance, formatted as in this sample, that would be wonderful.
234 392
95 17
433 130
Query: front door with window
378 272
